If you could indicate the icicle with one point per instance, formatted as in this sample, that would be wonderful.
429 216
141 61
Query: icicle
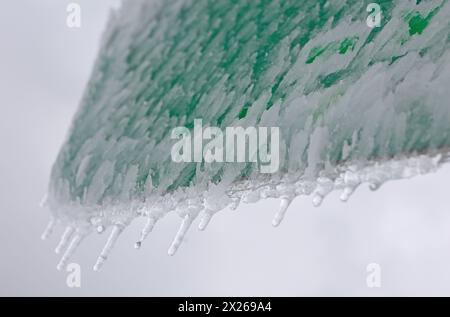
44 201
324 187
115 233
49 229
375 185
205 220
187 221
284 205
76 240
235 203
351 181
317 200
346 193
375 182
151 221
65 238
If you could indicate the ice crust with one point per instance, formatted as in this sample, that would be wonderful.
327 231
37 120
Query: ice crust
354 105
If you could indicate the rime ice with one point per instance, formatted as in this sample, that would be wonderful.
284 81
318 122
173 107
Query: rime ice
354 106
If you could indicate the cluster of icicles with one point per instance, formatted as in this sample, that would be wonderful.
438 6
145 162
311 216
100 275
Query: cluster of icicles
191 202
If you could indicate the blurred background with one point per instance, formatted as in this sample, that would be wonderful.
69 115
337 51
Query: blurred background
44 67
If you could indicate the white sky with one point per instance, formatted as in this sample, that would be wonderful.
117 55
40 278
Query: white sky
44 67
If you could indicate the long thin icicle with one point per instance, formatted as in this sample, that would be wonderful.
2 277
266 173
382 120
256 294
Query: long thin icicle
151 221
76 240
117 230
65 238
49 229
185 225
205 220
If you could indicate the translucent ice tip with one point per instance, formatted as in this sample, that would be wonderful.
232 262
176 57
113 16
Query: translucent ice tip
48 230
145 231
185 225
205 221
317 200
65 238
43 202
279 216
115 233
346 193
76 240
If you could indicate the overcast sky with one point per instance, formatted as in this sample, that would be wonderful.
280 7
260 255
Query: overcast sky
44 67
